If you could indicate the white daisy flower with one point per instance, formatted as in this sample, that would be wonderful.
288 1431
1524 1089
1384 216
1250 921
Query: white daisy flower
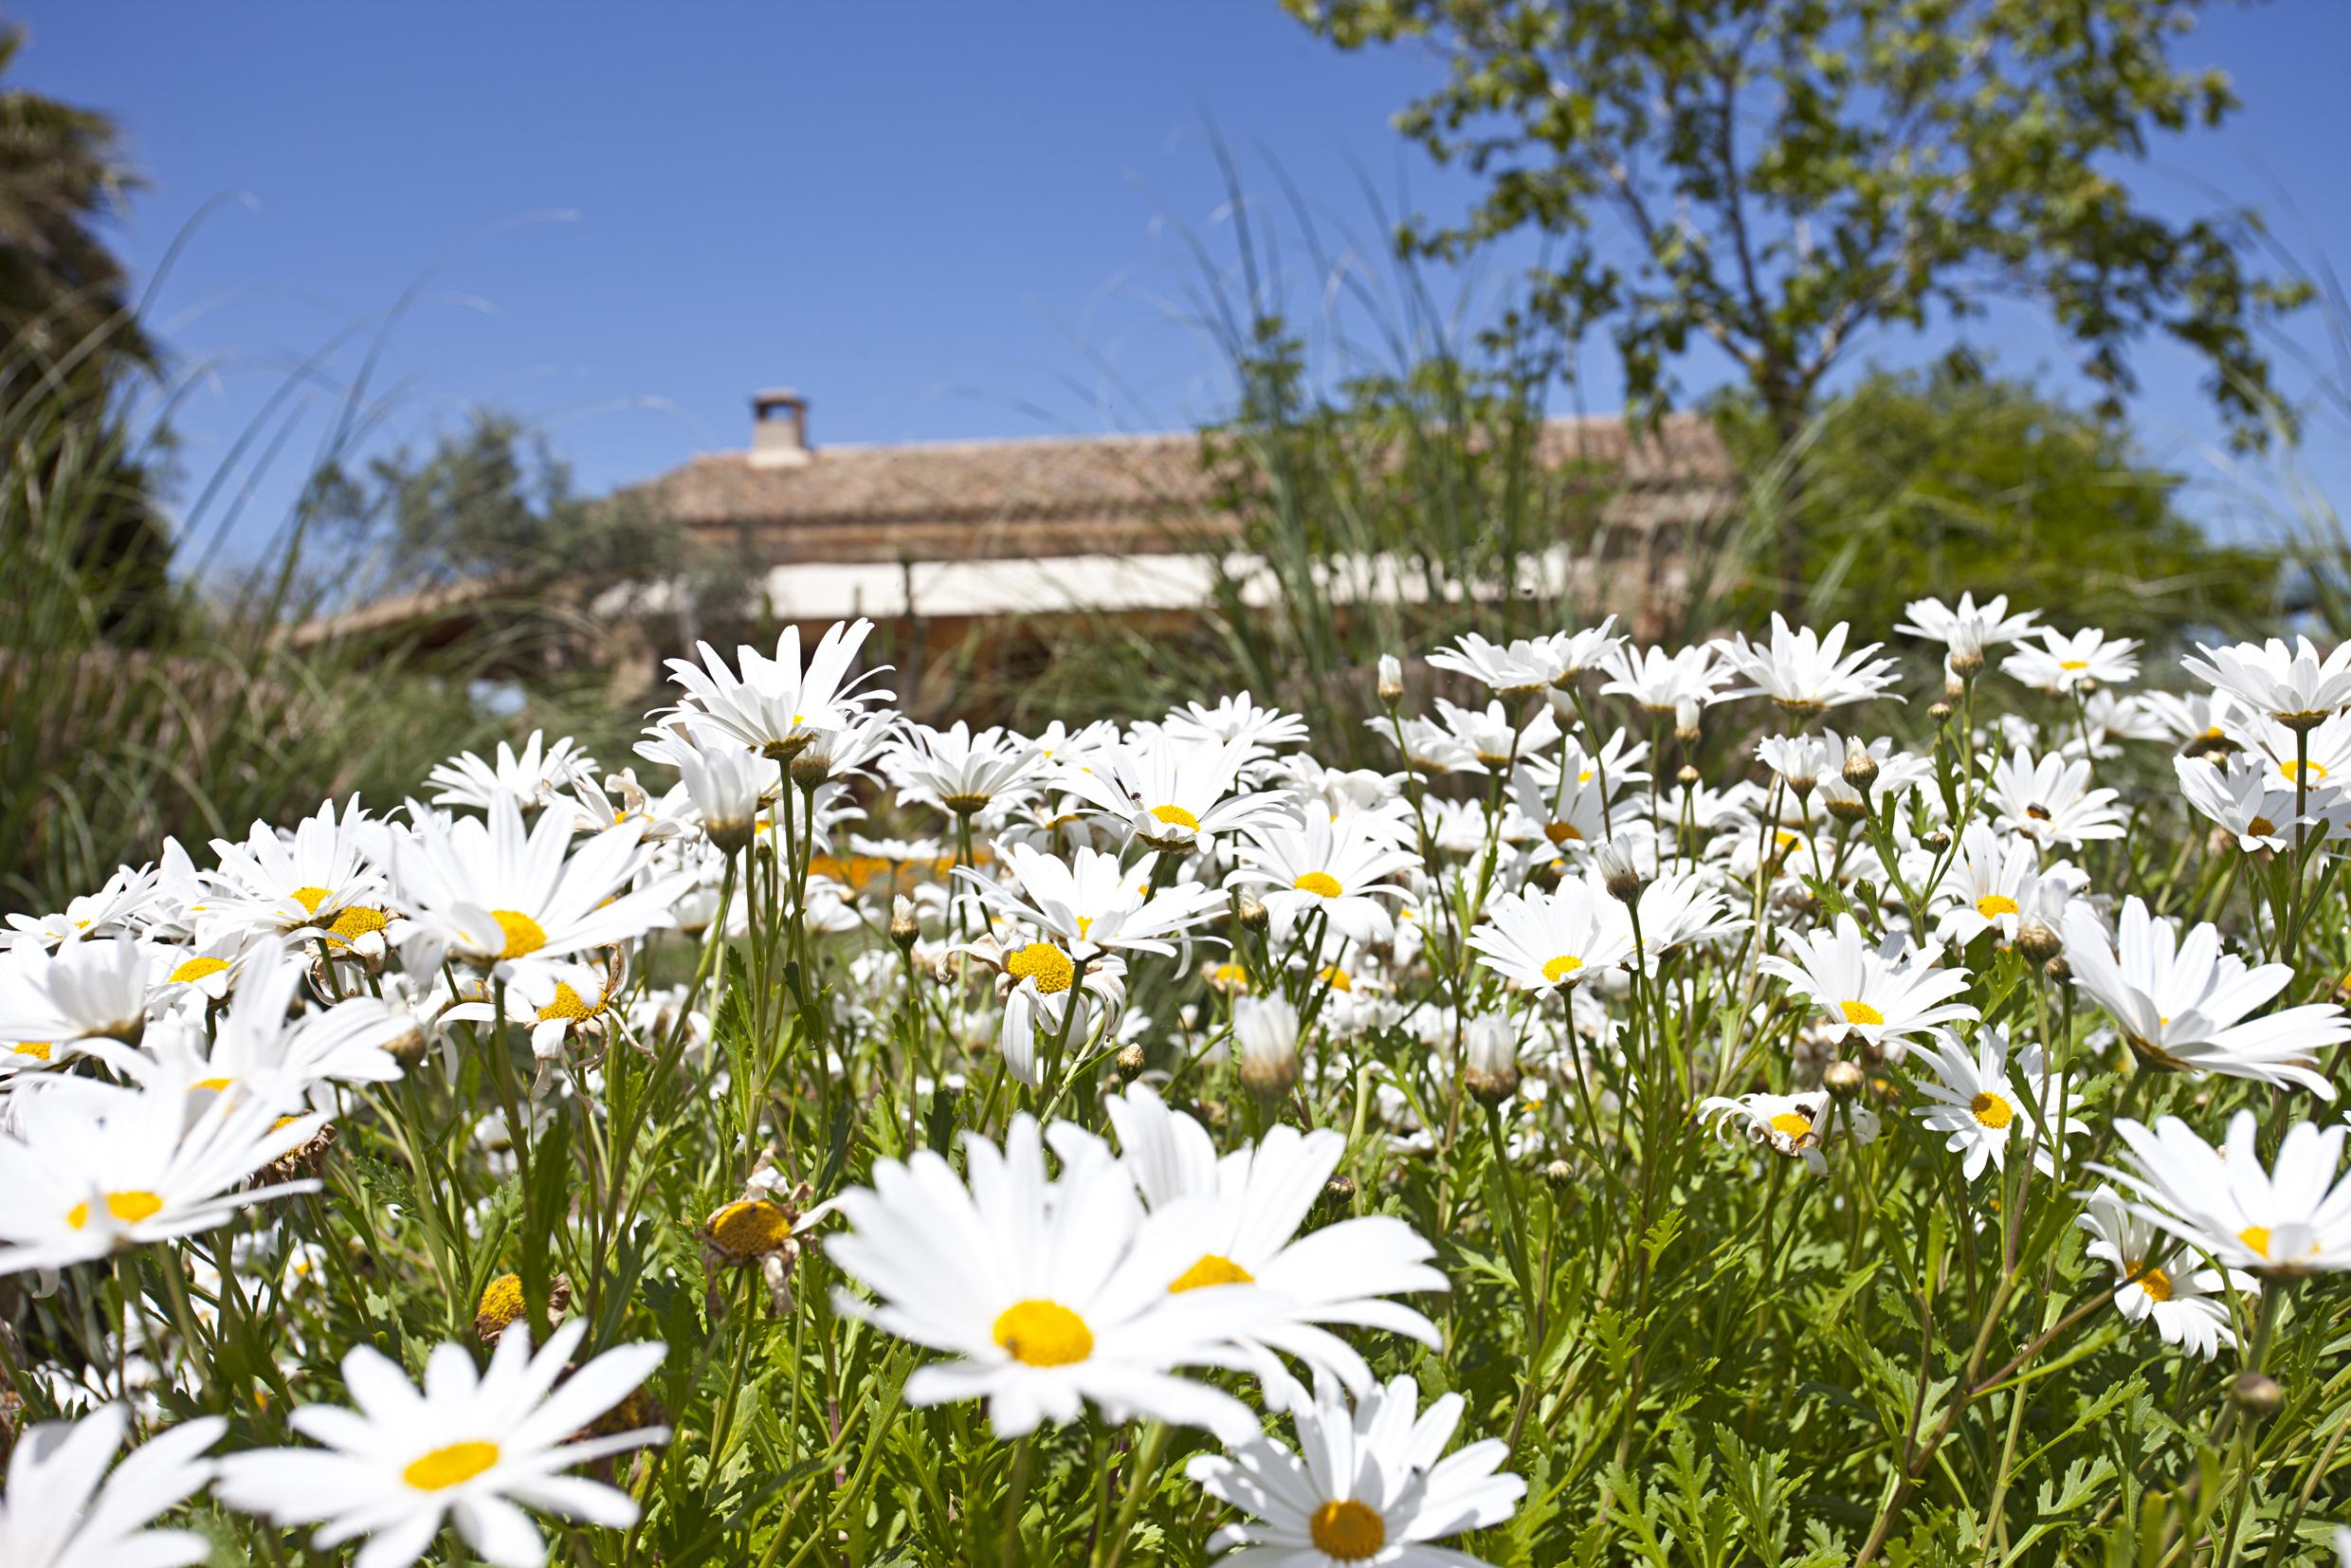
1049 1295
1997 885
129 898
1264 1040
1798 759
482 889
63 1510
2194 722
257 1049
109 1168
1574 652
1519 669
1494 736
728 783
963 772
2060 663
1803 671
537 774
1799 1126
1887 995
1323 866
1038 982
2235 792
2049 801
1427 746
2181 1003
1662 682
775 706
1241 718
1967 631
1978 1104
1339 1274
84 990
2160 1278
1090 903
1372 1484
1548 941
2289 1220
2319 759
1175 795
319 880
467 1447
2293 685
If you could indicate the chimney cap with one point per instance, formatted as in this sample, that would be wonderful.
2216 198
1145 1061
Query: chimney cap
778 397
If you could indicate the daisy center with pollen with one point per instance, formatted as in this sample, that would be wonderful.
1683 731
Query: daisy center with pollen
1321 883
197 969
129 1208
523 936
1347 1530
2293 771
1044 963
2157 1284
1792 1124
1561 833
748 1228
2073 663
1176 816
1561 967
2261 827
310 898
1993 905
1861 1013
568 1006
1991 1111
450 1466
357 921
1213 1269
1043 1334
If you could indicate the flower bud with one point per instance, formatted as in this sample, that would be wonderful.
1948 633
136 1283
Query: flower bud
1845 807
1264 1030
1250 911
1335 1201
2058 971
1842 1079
1685 721
1131 1061
2037 941
1966 663
1391 686
1861 769
2256 1395
1937 840
1940 713
1619 873
1490 1059
811 768
1558 1176
904 928
1687 777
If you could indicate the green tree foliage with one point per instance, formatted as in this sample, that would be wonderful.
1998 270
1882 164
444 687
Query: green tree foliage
74 342
1915 483
1778 177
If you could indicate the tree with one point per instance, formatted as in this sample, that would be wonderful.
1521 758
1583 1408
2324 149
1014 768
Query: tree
1918 483
1791 174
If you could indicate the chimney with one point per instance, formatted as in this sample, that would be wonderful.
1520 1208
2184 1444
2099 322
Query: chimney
778 428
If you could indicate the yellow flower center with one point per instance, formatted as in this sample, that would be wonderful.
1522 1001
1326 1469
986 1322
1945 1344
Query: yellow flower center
1559 832
1231 977
2261 827
1347 1530
501 1300
568 1006
1991 1111
129 1208
357 921
2257 1238
451 1467
1211 1270
1176 816
747 1228
1321 883
1085 923
310 898
211 1083
2073 663
1336 978
2157 1284
1561 967
1993 905
1861 1013
1044 963
1792 1123
523 936
197 969
1043 1334
2293 771
37 1049
1586 776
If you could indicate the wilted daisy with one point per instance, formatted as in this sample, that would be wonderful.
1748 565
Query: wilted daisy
484 891
2160 1278
1264 1040
1337 1275
537 774
2051 802
1372 1484
1887 995
1803 671
2181 1002
2293 1218
466 1448
1801 1127
2062 663
2293 685
1049 1295
106 1168
64 1510
2236 793
1548 940
1326 866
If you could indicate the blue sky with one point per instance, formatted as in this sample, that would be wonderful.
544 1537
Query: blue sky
937 221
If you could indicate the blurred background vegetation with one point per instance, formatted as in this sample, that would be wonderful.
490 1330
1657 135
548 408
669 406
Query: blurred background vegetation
147 689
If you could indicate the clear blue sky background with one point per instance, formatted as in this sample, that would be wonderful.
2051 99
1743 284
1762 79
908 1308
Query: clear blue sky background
937 220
